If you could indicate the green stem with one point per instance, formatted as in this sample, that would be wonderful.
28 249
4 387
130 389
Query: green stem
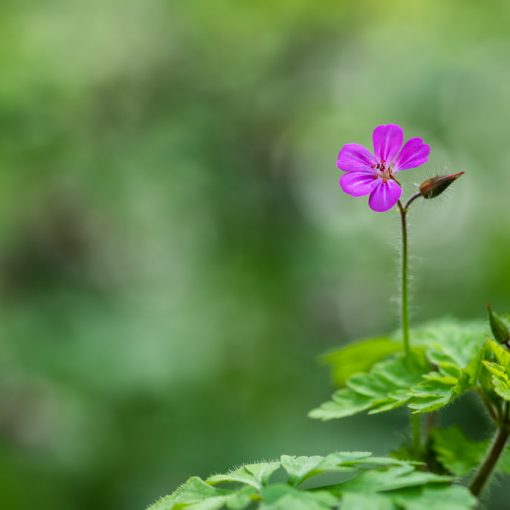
404 315
416 434
485 470
404 312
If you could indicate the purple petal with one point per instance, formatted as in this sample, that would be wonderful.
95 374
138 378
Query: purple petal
414 153
387 141
355 158
358 184
384 195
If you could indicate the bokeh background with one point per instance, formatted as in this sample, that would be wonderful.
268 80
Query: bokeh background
175 251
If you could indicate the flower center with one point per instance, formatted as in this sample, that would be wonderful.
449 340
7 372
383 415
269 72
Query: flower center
385 171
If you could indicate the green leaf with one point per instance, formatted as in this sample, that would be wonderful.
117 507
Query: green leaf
393 478
255 475
500 370
164 503
446 362
439 497
358 357
456 452
283 497
385 387
369 501
378 483
300 469
456 342
196 494
453 497
461 455
344 402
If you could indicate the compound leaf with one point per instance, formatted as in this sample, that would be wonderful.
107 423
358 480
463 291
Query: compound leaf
255 475
378 483
461 455
359 357
445 363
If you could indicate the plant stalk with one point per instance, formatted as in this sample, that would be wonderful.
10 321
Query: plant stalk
404 315
486 468
404 311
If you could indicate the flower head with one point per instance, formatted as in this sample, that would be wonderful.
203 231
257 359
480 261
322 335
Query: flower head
374 174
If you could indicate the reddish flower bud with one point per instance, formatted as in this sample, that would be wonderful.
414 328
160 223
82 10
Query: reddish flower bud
433 187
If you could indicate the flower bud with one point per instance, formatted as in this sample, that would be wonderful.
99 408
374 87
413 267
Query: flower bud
499 327
433 187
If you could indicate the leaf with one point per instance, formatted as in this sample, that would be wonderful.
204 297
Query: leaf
500 369
393 478
385 387
369 501
461 455
254 475
446 363
283 497
164 503
196 494
501 353
453 497
436 497
379 483
456 350
300 469
358 357
344 402
456 342
455 452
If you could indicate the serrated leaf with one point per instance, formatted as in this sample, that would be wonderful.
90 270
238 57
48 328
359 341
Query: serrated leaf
369 501
454 351
254 475
456 452
344 402
382 482
196 494
164 503
384 387
300 469
359 357
499 369
501 353
283 497
461 455
428 497
194 490
456 342
393 478
453 497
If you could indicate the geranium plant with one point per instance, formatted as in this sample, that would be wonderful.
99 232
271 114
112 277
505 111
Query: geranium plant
422 369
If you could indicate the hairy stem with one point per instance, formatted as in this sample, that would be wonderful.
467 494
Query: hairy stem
404 316
404 311
486 468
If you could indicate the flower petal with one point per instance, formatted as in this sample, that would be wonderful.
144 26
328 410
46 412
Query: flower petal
384 195
414 153
358 184
355 158
387 141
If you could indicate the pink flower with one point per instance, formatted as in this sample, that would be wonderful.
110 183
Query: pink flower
374 174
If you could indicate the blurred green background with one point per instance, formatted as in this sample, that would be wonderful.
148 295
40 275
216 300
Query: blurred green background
175 251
